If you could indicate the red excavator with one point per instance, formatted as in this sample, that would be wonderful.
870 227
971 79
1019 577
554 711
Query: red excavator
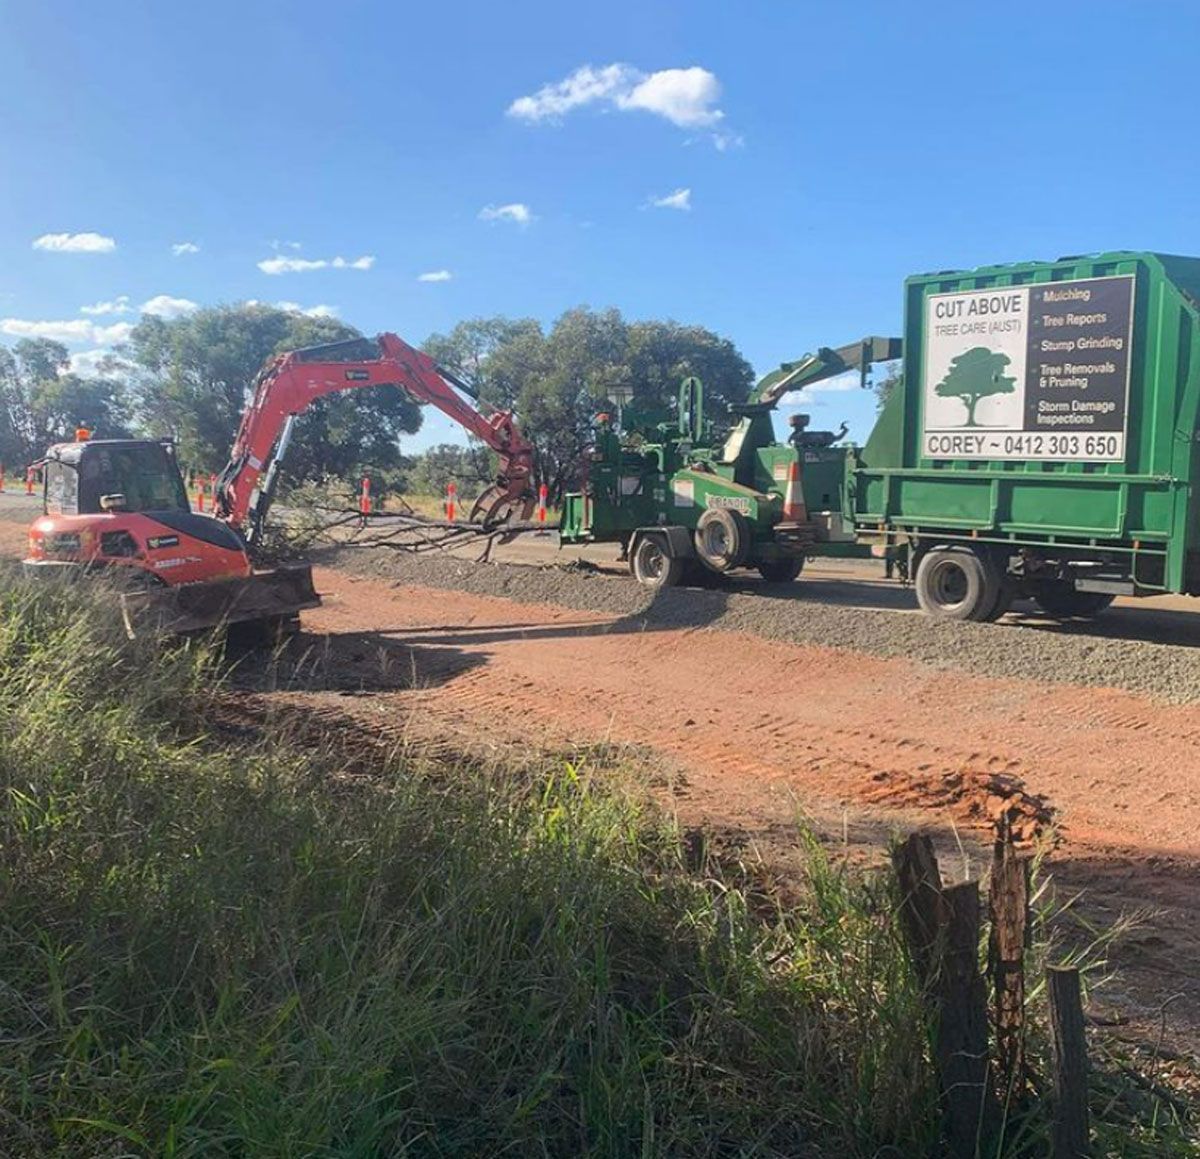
120 505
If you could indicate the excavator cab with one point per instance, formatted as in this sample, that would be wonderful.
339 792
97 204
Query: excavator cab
90 478
120 507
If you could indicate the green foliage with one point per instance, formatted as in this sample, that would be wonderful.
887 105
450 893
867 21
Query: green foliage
470 468
195 372
976 374
220 946
557 381
888 384
42 403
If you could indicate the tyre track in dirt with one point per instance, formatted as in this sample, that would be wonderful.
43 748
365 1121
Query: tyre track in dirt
763 730
756 726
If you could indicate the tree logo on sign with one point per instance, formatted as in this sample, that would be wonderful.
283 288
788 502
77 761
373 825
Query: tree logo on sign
976 374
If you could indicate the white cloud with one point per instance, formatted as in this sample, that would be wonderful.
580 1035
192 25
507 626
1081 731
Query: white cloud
276 266
184 247
684 96
321 311
167 307
515 211
75 243
119 305
806 396
435 276
117 332
289 265
89 363
77 330
584 86
680 199
687 97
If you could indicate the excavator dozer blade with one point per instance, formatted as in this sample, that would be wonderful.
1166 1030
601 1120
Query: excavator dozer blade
264 596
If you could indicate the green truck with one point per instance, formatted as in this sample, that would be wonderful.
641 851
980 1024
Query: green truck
1045 440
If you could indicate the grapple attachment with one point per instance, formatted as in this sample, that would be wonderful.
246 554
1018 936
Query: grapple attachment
498 506
266 596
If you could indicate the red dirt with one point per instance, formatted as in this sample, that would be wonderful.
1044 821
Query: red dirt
761 729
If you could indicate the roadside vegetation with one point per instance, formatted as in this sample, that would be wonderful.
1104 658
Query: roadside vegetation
215 941
187 377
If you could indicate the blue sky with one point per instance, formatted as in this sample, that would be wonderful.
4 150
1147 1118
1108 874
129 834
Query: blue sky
827 151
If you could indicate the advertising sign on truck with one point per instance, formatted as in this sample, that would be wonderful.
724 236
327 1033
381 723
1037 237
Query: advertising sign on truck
1028 372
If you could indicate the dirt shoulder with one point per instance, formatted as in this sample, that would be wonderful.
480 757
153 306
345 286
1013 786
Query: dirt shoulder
752 706
756 732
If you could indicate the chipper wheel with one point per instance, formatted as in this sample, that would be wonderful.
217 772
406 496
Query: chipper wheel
781 571
652 567
722 539
959 583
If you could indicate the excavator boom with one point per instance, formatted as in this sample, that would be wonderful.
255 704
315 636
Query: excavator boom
290 383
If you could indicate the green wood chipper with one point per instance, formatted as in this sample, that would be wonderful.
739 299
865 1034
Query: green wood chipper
678 500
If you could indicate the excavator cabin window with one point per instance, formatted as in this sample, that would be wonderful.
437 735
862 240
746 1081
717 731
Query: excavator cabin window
145 473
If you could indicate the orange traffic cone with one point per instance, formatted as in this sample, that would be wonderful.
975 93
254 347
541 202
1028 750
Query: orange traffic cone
794 509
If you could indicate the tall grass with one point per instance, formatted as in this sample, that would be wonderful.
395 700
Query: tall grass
210 946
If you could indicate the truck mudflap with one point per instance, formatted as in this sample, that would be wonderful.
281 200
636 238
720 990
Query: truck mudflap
265 596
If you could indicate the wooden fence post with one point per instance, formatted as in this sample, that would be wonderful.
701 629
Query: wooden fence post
962 1030
941 928
922 905
1009 910
1069 1050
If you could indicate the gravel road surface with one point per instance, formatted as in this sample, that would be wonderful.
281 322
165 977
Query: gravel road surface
814 611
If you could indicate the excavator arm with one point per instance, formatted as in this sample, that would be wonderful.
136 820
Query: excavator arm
288 384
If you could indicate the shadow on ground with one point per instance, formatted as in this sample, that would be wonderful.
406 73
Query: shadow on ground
365 663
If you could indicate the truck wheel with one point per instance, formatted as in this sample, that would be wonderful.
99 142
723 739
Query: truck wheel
1004 599
652 567
722 539
956 583
1061 599
781 571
